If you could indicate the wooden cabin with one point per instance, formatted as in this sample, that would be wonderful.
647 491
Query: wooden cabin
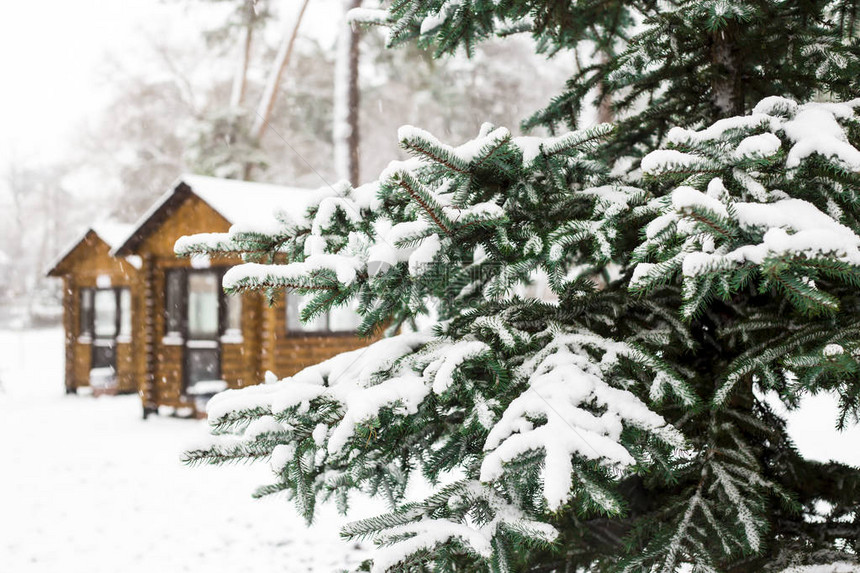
194 340
98 289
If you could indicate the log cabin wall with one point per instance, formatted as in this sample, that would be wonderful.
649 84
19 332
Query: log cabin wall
167 372
70 335
89 265
288 352
240 356
143 330
241 363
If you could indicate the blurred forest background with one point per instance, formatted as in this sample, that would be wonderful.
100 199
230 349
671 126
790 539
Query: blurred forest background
248 91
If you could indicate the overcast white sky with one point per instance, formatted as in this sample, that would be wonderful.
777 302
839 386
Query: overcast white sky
50 55
53 54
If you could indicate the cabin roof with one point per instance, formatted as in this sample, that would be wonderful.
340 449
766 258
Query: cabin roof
236 201
112 233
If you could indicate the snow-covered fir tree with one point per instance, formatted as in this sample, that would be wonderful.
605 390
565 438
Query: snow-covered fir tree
621 420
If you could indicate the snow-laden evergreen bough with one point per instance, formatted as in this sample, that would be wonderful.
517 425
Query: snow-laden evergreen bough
518 409
757 222
621 423
766 203
619 427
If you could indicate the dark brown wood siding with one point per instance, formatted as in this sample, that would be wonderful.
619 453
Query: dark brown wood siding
291 352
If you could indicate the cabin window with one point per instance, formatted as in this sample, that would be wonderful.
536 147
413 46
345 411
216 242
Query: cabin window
233 321
202 365
337 320
174 298
204 291
105 319
86 325
105 312
344 318
125 312
196 306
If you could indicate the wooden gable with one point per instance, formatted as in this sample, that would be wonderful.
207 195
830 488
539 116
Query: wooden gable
187 216
91 258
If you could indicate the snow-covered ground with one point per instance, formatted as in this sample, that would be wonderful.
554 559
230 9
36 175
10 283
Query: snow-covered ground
87 486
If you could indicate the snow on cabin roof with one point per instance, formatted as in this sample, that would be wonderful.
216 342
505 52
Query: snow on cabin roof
113 233
242 201
236 201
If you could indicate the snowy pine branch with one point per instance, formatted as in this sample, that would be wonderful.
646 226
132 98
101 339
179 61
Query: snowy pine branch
561 404
743 220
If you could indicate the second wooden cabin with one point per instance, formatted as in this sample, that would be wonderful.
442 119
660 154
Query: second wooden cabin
97 311
191 340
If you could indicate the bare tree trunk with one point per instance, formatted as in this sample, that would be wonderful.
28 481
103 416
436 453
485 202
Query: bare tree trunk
346 100
270 94
237 95
282 60
726 87
604 108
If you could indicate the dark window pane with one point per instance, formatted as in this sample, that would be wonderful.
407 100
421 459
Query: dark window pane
203 289
175 293
86 311
105 313
104 354
203 365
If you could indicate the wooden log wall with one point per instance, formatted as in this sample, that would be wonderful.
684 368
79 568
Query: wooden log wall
143 330
291 352
69 329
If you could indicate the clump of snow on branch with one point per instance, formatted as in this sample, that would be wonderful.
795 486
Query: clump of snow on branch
416 530
812 128
346 378
567 389
730 213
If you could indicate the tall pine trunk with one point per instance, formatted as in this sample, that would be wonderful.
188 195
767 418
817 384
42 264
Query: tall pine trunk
346 100
726 86
605 113
240 80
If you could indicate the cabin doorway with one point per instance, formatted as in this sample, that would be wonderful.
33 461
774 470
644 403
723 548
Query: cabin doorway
202 348
105 329
105 320
201 318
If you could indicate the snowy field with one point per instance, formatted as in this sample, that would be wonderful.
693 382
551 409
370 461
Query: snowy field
87 486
